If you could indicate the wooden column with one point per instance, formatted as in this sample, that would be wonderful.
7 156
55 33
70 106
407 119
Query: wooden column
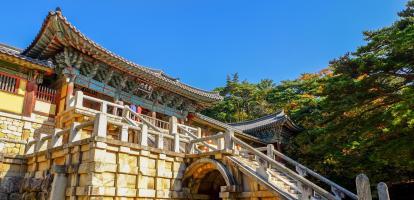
30 98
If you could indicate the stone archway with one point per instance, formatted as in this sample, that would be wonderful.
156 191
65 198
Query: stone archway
204 178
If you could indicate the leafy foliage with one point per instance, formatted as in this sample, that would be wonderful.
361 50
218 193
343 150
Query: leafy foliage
358 114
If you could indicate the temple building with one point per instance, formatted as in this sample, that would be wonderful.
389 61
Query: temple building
79 122
276 128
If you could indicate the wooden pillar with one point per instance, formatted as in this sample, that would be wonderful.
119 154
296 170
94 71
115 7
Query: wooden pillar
30 98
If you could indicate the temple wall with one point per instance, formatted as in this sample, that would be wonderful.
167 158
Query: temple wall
45 108
11 102
106 169
15 130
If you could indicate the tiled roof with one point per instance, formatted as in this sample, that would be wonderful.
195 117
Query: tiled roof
15 52
226 126
266 121
56 20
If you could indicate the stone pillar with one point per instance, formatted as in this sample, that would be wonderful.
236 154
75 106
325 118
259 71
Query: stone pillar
199 133
229 144
144 135
174 131
270 153
79 99
363 187
124 133
74 134
59 183
100 125
306 191
383 191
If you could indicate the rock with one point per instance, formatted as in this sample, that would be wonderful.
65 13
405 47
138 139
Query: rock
35 185
26 185
11 184
42 196
47 183
29 196
15 196
3 196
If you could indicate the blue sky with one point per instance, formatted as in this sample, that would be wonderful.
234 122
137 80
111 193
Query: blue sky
202 41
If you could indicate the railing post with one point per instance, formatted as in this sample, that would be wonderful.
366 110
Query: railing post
125 112
56 139
144 135
100 125
228 141
270 153
306 191
191 148
363 187
40 142
220 142
2 146
338 194
160 141
383 191
74 135
79 99
198 132
124 133
173 131
29 146
177 142
104 107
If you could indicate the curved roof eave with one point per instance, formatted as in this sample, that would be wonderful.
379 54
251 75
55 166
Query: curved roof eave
14 54
55 17
265 121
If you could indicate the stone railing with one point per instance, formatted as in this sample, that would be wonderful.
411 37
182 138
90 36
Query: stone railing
99 105
307 188
227 141
42 141
139 132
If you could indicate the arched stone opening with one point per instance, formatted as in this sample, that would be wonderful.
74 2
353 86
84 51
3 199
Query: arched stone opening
205 177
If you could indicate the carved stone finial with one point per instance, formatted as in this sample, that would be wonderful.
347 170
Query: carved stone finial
58 9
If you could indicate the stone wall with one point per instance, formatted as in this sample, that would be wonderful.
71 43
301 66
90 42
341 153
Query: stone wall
15 131
100 168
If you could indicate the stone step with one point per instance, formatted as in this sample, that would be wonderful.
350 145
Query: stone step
276 178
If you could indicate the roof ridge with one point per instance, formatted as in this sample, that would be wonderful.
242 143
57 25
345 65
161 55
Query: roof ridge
18 50
275 114
212 95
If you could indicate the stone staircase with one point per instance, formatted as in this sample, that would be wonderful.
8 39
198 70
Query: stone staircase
274 180
287 178
277 177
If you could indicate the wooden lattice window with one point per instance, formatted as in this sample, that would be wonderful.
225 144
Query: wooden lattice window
45 94
9 83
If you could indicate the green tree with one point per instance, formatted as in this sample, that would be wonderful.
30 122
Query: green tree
358 114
